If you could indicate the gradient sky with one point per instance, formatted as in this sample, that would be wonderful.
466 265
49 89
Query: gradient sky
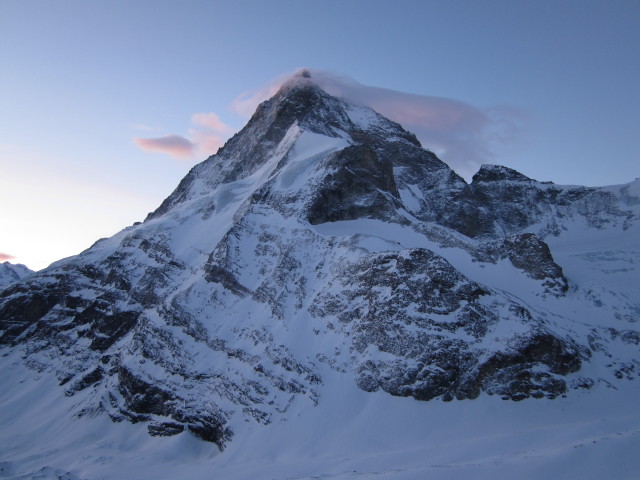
104 106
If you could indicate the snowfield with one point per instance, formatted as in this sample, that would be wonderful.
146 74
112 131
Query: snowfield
350 434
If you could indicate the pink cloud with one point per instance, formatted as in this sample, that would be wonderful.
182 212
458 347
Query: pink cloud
247 102
206 142
463 135
211 121
207 136
210 132
5 256
173 145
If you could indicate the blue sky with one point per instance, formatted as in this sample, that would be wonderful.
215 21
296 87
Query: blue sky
558 81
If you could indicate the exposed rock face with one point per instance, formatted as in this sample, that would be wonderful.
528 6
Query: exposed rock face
516 202
432 324
358 184
530 254
320 240
298 103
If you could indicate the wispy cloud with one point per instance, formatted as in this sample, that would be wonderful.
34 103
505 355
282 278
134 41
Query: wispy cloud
173 145
205 137
212 122
247 102
209 133
5 256
142 127
463 135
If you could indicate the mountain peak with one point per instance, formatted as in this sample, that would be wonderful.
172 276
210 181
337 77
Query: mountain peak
495 173
300 104
301 78
322 244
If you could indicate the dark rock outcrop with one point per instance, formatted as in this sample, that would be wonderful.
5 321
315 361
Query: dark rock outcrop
359 184
530 254
428 320
513 202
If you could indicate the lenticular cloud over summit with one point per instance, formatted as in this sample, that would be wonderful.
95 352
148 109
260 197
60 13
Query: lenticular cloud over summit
463 135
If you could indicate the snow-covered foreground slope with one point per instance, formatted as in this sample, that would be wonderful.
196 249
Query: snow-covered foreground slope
350 434
285 308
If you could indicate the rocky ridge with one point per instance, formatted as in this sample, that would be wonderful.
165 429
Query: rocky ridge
10 273
324 240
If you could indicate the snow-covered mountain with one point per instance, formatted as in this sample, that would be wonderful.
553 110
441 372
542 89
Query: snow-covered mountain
320 267
10 272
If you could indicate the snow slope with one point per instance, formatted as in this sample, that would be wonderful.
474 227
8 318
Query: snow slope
350 434
282 312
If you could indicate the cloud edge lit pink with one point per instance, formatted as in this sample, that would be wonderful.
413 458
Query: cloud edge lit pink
206 136
462 135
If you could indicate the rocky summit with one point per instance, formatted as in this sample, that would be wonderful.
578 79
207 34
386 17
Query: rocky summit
322 242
